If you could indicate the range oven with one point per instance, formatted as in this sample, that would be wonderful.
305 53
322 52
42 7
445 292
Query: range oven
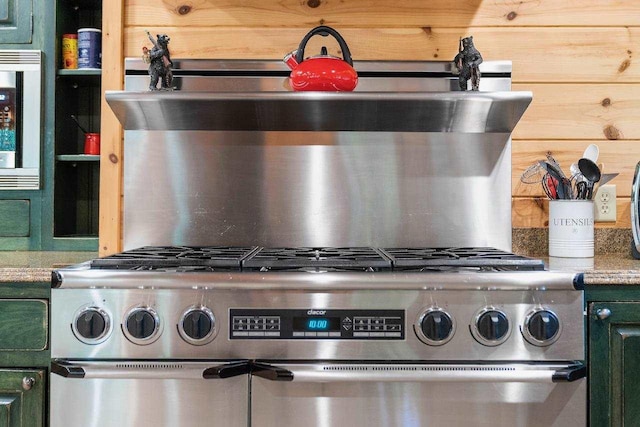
317 259
252 336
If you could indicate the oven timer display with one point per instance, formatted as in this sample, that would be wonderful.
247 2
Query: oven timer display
315 324
324 324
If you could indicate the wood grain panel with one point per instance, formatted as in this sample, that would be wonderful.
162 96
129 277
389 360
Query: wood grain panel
551 54
580 111
110 228
616 157
534 212
382 13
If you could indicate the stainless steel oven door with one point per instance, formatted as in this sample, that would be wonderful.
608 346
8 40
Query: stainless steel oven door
149 394
371 395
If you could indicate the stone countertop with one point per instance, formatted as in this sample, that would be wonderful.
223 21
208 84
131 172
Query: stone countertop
609 269
605 269
36 266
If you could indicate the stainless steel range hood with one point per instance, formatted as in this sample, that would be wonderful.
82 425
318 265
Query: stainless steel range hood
463 112
233 157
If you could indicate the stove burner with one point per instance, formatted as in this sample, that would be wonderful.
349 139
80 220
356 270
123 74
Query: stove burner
306 259
171 257
484 259
338 259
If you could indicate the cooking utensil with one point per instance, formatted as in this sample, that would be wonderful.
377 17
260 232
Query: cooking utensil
75 119
323 72
606 177
591 172
534 174
591 152
581 189
560 187
549 185
555 164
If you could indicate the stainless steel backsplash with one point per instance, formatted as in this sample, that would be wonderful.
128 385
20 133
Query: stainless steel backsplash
278 188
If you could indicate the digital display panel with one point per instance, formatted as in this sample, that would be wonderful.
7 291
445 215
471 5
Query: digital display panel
323 324
3 96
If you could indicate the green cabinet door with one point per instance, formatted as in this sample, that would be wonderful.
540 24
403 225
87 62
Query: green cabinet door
16 21
21 398
614 364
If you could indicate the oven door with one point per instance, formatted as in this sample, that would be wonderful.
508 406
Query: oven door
149 394
407 395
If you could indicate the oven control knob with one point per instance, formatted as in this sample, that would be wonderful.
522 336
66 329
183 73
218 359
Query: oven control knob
142 325
197 325
491 327
92 325
541 327
435 327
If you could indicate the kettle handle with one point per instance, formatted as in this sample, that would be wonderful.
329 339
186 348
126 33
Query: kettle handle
323 30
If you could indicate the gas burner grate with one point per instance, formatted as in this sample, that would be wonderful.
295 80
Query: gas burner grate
314 259
484 259
183 269
340 259
171 257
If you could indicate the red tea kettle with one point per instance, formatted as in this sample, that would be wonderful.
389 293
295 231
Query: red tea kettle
323 72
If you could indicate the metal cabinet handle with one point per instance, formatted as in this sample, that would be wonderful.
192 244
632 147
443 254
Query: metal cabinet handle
28 383
603 313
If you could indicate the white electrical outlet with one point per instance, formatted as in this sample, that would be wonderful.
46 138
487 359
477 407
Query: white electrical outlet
605 203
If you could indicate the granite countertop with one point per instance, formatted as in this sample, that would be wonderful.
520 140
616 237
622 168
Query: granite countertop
605 269
36 266
608 269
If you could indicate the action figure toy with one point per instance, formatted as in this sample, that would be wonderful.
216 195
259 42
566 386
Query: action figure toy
159 60
467 61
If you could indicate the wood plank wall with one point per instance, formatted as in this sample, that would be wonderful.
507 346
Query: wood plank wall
577 56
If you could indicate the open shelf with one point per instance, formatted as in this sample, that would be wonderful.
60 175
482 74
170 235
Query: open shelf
78 158
79 72
77 93
460 112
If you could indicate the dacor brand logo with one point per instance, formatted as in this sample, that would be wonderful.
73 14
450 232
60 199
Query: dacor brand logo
583 222
316 312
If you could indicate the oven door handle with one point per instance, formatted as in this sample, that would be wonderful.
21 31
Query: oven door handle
148 370
440 373
227 370
569 374
270 372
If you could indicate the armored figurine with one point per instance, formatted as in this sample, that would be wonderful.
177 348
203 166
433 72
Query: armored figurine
467 61
159 60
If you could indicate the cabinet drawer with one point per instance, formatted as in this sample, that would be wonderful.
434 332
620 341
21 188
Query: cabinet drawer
23 325
22 398
14 218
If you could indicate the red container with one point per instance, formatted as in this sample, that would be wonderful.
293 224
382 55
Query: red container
91 143
323 72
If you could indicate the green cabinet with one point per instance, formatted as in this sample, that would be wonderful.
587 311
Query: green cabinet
24 353
614 363
16 22
22 395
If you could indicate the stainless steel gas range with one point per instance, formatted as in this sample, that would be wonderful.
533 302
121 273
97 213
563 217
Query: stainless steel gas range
253 336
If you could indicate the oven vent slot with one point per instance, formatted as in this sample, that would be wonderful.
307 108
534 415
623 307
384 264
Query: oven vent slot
149 366
419 368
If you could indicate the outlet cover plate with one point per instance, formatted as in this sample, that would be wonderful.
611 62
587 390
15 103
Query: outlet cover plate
605 203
